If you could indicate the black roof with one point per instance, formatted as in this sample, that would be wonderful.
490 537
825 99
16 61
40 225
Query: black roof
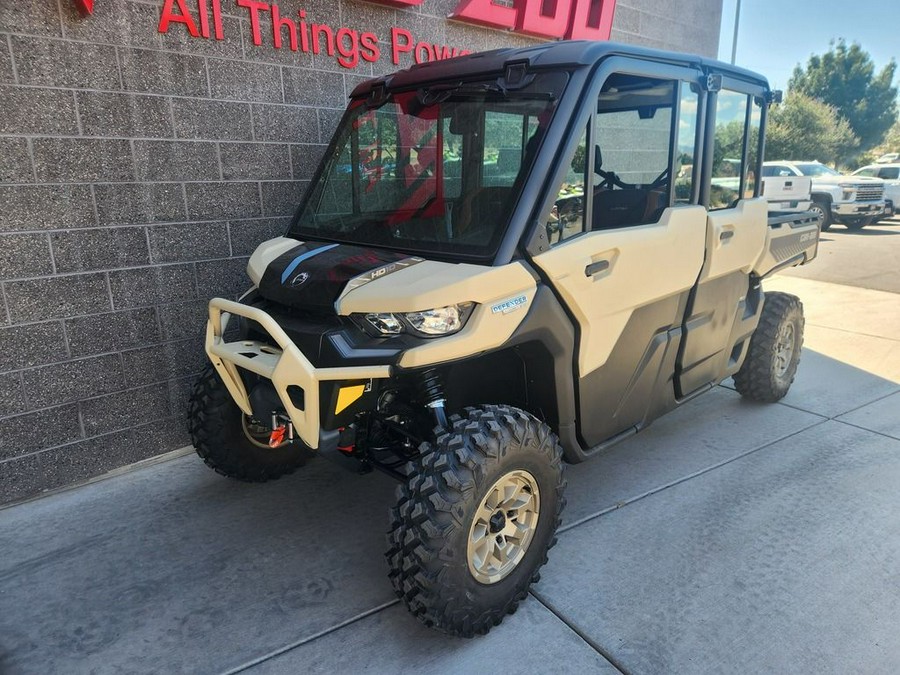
564 54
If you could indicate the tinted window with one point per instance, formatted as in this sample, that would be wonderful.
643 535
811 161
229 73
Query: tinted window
867 171
430 171
566 218
889 172
633 138
728 152
753 149
684 152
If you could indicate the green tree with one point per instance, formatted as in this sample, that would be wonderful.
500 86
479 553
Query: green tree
845 78
891 141
804 128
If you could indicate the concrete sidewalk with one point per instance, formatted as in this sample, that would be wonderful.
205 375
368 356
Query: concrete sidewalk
728 537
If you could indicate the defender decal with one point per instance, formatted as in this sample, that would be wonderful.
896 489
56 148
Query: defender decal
510 305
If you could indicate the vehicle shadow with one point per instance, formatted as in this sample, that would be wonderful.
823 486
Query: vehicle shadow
868 231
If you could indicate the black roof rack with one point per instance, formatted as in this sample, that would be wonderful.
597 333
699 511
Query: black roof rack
564 54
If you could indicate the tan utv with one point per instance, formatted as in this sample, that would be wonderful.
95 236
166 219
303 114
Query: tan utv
506 262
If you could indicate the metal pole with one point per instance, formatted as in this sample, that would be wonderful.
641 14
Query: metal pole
737 21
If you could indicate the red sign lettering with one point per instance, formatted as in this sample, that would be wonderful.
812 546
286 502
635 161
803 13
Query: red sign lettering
570 19
535 18
486 13
269 25
86 6
591 20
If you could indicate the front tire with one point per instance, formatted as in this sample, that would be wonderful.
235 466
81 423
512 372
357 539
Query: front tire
475 519
230 443
824 214
774 353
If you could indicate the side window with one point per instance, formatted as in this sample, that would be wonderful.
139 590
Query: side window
889 172
633 137
869 172
566 218
769 171
752 170
687 136
728 151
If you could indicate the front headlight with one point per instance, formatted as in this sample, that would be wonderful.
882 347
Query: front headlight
440 321
848 192
428 322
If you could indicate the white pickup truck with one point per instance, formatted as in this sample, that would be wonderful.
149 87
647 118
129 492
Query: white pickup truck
854 201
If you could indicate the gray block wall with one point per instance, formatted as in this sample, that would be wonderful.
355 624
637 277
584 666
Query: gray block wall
138 171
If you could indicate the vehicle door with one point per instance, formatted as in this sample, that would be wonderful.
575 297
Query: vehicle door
722 310
891 177
627 239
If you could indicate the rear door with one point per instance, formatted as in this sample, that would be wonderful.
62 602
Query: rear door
723 308
627 240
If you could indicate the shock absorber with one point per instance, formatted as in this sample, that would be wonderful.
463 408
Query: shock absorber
431 387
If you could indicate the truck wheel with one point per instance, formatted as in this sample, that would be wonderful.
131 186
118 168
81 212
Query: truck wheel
475 519
823 213
232 443
774 353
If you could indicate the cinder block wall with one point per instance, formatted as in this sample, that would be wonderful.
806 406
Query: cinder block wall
138 171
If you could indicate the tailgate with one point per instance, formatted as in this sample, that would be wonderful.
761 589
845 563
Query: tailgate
791 239
786 188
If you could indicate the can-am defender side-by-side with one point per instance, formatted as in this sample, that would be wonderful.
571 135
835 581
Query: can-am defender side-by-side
506 262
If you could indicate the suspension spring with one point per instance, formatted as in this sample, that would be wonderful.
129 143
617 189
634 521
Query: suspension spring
431 387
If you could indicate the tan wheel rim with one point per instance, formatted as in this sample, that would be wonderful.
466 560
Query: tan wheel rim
257 433
503 526
784 349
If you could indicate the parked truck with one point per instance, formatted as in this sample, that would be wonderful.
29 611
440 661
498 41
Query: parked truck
505 263
853 201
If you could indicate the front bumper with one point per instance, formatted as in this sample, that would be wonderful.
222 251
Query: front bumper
295 379
858 208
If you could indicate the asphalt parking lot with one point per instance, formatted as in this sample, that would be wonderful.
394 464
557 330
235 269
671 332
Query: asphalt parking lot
728 537
867 258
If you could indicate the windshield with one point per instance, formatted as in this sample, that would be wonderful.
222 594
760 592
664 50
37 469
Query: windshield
430 171
816 169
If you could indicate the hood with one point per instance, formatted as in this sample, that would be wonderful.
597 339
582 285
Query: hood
837 180
312 275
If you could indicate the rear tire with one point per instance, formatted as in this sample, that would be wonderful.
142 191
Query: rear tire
496 476
774 353
221 436
824 213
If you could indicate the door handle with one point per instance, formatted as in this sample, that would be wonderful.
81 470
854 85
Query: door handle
726 235
596 268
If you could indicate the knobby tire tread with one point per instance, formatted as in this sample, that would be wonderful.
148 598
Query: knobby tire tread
210 414
755 379
428 511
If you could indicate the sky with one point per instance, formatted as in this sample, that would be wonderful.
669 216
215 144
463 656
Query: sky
776 35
